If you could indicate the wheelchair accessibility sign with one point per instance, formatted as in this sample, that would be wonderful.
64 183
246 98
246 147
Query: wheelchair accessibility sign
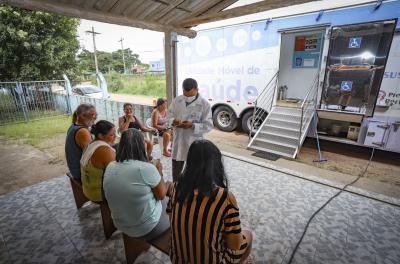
346 86
355 43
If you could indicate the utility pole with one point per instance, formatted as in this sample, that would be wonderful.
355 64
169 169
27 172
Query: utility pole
94 47
122 50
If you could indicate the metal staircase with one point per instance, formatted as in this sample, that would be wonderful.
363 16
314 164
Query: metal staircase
285 128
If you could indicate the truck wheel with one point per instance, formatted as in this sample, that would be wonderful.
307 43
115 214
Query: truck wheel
225 119
246 122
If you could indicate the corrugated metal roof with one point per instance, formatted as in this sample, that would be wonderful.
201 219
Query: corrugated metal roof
159 15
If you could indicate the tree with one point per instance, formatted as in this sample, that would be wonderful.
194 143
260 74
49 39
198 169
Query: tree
36 45
107 61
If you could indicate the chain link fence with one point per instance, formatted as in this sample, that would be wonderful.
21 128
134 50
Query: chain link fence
26 101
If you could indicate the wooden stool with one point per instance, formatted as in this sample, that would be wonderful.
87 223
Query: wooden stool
108 224
134 247
80 198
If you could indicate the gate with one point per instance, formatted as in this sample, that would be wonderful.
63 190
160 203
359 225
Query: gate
24 101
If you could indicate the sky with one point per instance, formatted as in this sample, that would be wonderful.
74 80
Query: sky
150 44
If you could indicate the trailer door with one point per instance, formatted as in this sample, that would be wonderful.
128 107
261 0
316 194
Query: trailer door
355 66
299 63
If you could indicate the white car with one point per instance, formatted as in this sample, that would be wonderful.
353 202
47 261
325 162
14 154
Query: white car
88 90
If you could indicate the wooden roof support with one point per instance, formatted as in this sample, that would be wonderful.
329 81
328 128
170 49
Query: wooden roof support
239 11
74 11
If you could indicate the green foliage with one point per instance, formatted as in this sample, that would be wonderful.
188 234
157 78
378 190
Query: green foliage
36 45
147 85
107 61
34 132
114 81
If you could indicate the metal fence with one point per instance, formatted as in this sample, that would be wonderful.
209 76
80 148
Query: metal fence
25 101
111 110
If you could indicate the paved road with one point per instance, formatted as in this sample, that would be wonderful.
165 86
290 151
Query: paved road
134 99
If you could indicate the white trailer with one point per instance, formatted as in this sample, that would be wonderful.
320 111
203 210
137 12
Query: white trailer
341 63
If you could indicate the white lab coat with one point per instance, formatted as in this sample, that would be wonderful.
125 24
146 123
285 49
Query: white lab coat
199 112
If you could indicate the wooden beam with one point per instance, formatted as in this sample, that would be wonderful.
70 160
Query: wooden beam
219 7
168 66
203 7
166 10
198 8
239 11
77 11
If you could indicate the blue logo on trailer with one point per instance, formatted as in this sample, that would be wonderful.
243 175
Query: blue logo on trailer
346 86
355 43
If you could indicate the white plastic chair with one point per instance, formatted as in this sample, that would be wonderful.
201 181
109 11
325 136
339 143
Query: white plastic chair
150 136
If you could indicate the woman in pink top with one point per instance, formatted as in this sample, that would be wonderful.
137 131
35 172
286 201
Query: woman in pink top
160 122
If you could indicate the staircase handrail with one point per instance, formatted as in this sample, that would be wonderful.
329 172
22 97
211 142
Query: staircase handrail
310 93
263 97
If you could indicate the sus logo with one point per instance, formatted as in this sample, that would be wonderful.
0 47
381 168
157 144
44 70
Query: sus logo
382 95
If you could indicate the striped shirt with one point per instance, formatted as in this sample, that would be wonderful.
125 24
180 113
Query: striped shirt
200 225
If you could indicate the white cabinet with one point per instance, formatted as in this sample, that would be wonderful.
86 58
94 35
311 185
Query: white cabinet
376 134
393 141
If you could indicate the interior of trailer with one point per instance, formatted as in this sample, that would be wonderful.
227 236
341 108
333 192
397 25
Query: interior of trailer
349 63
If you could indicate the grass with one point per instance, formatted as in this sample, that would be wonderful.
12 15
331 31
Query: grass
149 85
146 85
36 132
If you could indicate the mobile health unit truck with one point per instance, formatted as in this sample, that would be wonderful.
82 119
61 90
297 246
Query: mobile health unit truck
334 70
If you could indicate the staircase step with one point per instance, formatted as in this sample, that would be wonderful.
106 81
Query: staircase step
283 123
287 110
269 151
274 146
278 137
286 116
283 144
278 129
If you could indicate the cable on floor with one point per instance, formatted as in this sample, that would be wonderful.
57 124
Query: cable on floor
325 204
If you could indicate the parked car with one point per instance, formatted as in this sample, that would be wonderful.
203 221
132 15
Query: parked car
88 90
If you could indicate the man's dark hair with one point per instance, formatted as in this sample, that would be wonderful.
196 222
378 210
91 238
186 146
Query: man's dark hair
188 84
203 171
131 146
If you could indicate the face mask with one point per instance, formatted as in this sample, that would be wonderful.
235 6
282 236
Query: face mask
189 99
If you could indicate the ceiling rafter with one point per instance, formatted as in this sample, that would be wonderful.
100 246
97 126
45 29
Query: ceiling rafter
238 11
92 14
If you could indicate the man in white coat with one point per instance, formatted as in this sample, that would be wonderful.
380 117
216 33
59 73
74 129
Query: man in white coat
190 116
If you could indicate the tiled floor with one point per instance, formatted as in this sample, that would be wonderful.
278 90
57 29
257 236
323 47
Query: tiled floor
40 224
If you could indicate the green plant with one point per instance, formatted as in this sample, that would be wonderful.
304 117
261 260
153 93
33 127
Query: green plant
34 132
114 82
36 45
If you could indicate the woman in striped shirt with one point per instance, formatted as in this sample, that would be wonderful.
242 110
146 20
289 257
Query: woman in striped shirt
204 215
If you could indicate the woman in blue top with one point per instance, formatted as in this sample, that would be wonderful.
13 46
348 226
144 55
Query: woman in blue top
135 190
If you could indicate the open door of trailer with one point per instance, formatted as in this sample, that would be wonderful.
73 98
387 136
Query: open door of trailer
355 66
300 61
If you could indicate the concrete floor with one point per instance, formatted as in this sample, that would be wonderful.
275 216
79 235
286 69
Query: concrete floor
40 224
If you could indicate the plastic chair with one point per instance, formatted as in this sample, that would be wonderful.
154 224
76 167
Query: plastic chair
149 124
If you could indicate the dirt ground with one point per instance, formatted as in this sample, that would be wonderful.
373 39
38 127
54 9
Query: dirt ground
24 165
